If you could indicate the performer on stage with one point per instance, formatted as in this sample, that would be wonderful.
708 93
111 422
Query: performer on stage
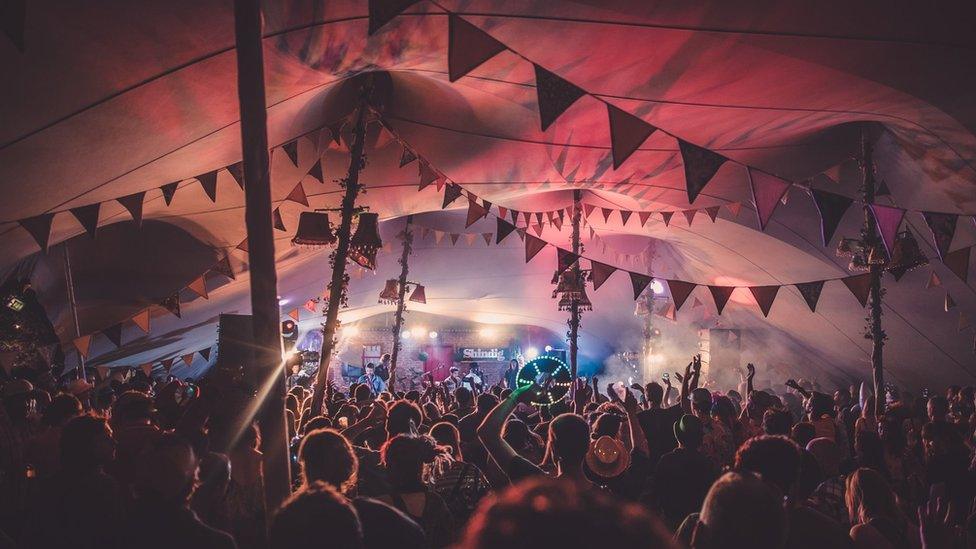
475 380
511 374
375 382
453 381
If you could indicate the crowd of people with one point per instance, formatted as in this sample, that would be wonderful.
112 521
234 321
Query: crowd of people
610 465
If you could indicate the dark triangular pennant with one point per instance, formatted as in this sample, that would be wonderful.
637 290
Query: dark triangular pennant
88 217
39 227
606 214
533 246
564 260
624 216
169 190
13 17
887 219
276 219
599 273
811 293
882 189
167 364
316 171
454 238
114 334
689 215
515 215
680 290
172 304
291 150
700 166
943 227
451 193
721 295
133 203
243 246
555 95
644 216
209 183
475 212
712 212
767 191
335 130
298 195
382 12
860 286
958 262
205 353
765 295
504 229
406 157
627 133
237 172
427 175
639 282
832 207
468 47
666 216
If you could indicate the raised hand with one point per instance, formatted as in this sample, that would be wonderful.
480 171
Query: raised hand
677 376
612 393
752 370
934 524
630 401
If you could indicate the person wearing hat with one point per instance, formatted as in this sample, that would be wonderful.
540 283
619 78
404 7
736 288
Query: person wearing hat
683 476
607 458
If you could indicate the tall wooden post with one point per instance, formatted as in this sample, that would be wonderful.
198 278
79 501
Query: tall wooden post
261 253
575 314
401 300
337 287
871 240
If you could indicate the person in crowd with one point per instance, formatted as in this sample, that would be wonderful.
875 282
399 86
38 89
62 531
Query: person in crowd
460 483
43 450
453 381
828 497
740 510
371 380
717 444
511 374
682 477
316 511
657 422
382 370
876 521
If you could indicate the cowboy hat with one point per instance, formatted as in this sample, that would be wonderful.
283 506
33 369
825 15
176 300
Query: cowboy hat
607 457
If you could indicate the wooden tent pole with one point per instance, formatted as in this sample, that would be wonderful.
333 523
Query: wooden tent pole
401 300
265 314
575 314
871 241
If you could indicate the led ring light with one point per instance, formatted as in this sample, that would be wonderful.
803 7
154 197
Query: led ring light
551 377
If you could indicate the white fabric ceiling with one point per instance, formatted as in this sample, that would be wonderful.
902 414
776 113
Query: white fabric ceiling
115 97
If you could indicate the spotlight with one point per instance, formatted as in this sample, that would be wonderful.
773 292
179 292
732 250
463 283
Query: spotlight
548 348
432 334
15 304
405 334
282 300
657 287
531 353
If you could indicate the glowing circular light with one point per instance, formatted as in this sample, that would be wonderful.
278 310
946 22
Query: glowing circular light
548 348
282 300
657 287
350 331
531 353
405 334
551 377
432 334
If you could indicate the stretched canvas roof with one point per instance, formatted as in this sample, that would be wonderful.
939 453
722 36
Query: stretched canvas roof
116 98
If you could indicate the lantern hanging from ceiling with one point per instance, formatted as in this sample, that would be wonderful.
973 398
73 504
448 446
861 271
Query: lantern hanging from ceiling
419 295
314 229
366 241
390 292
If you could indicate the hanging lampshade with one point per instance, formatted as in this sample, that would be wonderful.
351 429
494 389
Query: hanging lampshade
390 292
314 229
572 287
906 255
366 241
418 295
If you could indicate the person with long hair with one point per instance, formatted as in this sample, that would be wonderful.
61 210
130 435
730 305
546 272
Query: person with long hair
409 461
876 520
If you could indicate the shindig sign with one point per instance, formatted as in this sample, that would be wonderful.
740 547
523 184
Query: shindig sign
474 354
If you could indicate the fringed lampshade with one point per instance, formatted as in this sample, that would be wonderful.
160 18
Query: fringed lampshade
366 241
390 292
572 287
314 229
418 295
906 255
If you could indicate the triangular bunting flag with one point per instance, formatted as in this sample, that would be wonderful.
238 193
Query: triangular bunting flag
236 171
666 216
934 280
670 313
205 353
689 215
643 216
564 260
537 229
502 212
721 295
88 217
504 229
468 47
734 208
943 227
209 183
521 233
199 287
39 227
438 236
700 166
487 237
527 217
276 220
316 171
599 273
147 369
767 190
882 189
382 12
475 212
298 195
624 216
141 319
223 267
949 302
168 364
188 359
606 214
557 222
335 129
169 190
451 193
538 218
555 95
172 304
294 314
680 291
627 133
406 157
310 305
114 334
958 262
888 219
428 175
454 238
133 203
860 286
832 207
587 210
639 282
291 150
243 246
811 293
712 212
82 344
764 297
533 246
515 216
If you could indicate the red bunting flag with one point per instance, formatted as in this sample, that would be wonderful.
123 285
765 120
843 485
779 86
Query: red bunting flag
487 237
721 295
643 216
555 95
680 291
700 166
469 238
734 208
468 47
475 212
712 212
502 212
39 227
451 193
428 175
243 246
606 214
278 223
538 218
537 229
624 216
689 215
295 314
147 369
639 283
199 287
133 203
168 363
933 281
103 371
310 305
831 207
958 262
298 195
764 295
527 217
533 246
223 267
87 216
188 359
887 219
141 319
83 344
316 171
382 12
587 210
767 190
627 133
564 260
860 286
209 183
504 228
599 273
666 216
515 216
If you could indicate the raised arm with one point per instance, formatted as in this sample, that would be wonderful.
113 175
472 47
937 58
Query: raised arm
796 386
752 374
490 430
633 431
685 390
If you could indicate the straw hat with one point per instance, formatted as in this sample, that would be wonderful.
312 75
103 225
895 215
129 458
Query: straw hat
607 457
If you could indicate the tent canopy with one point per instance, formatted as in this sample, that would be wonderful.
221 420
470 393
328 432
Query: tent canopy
113 99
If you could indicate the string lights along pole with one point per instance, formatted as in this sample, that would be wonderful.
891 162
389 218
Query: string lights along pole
266 322
574 311
401 299
871 240
337 287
